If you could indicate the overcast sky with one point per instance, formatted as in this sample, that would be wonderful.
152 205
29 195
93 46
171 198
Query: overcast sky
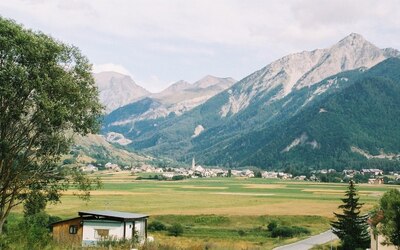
161 42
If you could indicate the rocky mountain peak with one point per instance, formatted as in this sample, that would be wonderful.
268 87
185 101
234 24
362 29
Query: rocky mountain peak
209 81
349 53
353 39
175 87
116 90
304 69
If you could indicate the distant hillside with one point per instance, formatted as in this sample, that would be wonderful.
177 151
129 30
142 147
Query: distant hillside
177 99
344 127
94 148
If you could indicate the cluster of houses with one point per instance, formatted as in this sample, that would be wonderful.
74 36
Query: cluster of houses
196 171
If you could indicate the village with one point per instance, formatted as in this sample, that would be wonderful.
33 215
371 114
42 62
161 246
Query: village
370 176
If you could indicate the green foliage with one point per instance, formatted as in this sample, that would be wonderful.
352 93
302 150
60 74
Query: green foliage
111 243
241 232
34 203
351 227
157 226
47 90
257 174
272 225
83 184
175 230
390 224
210 219
178 177
288 232
32 232
69 161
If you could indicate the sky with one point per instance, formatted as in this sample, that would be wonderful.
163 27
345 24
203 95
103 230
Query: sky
159 42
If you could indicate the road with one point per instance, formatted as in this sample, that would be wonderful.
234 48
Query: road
310 242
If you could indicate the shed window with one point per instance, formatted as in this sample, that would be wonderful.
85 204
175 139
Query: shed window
101 233
73 229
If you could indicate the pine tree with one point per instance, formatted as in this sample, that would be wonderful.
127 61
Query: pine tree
351 227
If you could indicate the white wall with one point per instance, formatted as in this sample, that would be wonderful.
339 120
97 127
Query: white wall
116 230
140 229
89 230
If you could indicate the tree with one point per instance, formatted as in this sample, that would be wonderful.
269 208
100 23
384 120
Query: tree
351 227
390 224
47 94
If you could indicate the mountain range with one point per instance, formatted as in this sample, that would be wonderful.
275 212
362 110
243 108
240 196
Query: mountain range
332 106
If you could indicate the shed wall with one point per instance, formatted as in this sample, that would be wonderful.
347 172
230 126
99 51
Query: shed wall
62 235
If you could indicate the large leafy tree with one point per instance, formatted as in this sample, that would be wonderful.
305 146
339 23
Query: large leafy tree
47 94
390 223
351 227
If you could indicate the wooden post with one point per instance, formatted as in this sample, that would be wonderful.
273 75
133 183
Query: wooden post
145 229
133 230
124 230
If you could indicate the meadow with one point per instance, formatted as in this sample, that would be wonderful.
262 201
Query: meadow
221 213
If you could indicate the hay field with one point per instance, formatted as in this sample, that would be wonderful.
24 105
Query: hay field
214 210
221 196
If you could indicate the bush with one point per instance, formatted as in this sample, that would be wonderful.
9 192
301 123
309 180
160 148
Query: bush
175 230
300 230
282 232
156 226
178 177
241 232
272 225
288 232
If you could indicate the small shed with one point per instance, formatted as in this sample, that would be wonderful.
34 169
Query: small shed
93 226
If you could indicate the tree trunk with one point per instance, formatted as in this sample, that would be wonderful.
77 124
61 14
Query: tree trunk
2 221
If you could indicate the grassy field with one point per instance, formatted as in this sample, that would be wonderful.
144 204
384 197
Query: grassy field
213 210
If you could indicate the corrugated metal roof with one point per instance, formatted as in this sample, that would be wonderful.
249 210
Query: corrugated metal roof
113 214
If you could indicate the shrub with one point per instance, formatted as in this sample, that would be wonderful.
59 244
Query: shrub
241 232
272 225
175 230
282 232
178 177
156 226
289 231
300 230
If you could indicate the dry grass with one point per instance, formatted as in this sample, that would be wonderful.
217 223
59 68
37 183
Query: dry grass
264 186
223 197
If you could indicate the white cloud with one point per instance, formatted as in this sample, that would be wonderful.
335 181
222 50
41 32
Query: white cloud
154 84
111 67
232 22
179 39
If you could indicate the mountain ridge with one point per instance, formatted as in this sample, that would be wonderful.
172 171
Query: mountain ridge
258 102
